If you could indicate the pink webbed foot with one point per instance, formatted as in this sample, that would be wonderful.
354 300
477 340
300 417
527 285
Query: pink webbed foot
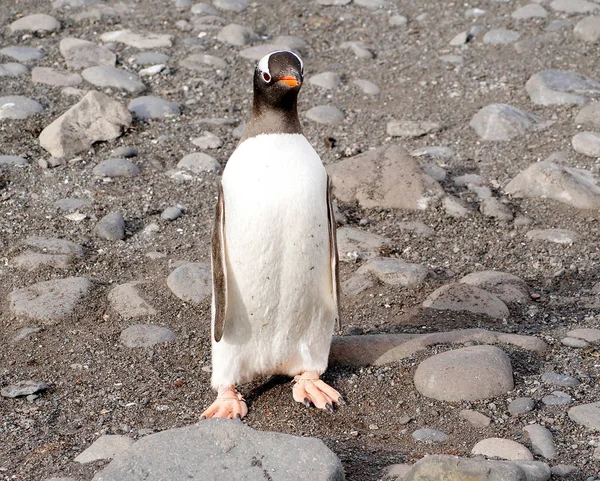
309 389
229 405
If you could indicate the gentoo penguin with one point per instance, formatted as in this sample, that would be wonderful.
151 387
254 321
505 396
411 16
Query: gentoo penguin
274 253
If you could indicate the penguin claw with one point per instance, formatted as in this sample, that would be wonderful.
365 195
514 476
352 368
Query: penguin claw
306 402
329 407
341 401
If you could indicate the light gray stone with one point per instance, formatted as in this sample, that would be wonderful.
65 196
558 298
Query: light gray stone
395 272
454 207
150 58
125 151
534 470
201 62
18 107
141 41
333 2
455 59
49 301
586 415
199 162
80 54
12 69
127 302
574 6
460 39
171 213
149 107
531 10
50 76
574 342
589 335
105 76
509 288
256 52
371 3
119 167
23 388
397 20
325 114
58 253
105 447
207 140
191 282
146 335
73 3
357 284
111 227
358 49
94 118
493 208
367 87
588 29
38 22
217 449
503 122
237 35
500 36
8 160
464 297
561 87
428 435
466 374
503 449
326 80
559 379
541 441
203 9
475 418
521 405
231 5
23 54
558 236
557 398
354 244
587 143
407 129
563 470
589 115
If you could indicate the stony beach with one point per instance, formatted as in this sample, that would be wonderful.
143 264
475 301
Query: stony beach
463 144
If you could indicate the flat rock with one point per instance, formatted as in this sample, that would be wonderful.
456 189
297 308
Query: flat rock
397 20
500 36
509 288
563 470
541 441
202 62
105 76
237 35
171 213
386 177
454 59
588 29
150 107
23 54
223 449
574 342
141 41
150 58
326 80
354 244
70 205
126 300
199 162
207 140
367 87
9 160
119 167
428 435
521 405
395 272
231 5
325 114
561 87
94 118
111 227
494 209
191 282
357 284
557 398
503 449
503 122
203 9
465 297
587 143
49 301
18 107
105 447
574 6
531 10
587 415
23 388
466 374
556 379
52 252
575 187
38 22
408 129
358 49
475 418
79 54
50 76
558 236
589 335
12 69
589 115
146 335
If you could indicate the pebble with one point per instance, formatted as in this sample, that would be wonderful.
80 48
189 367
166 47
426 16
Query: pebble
125 151
25 332
503 122
203 9
460 39
475 418
367 87
149 107
207 140
146 335
50 76
521 405
127 302
199 162
574 342
494 209
371 3
23 54
503 449
587 143
79 54
557 398
407 129
531 10
150 58
500 36
325 114
8 160
474 13
18 107
49 301
589 335
558 236
464 297
589 115
106 446
231 5
395 272
141 41
541 441
427 435
171 213
559 379
191 282
397 20
152 70
466 374
358 49
588 29
202 62
105 76
455 59
561 87
38 22
586 415
574 6
237 35
70 205
12 69
23 388
326 80
454 207
111 227
116 167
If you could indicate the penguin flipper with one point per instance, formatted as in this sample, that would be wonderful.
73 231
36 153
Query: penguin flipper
333 255
219 268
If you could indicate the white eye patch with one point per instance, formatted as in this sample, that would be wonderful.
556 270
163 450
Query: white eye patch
263 65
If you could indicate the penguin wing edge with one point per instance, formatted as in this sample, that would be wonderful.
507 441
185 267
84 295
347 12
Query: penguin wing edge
333 255
219 269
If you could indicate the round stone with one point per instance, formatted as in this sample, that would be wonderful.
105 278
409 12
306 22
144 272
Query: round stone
366 86
503 449
18 107
465 297
574 342
120 167
171 213
588 29
191 282
208 140
589 335
149 107
237 35
587 415
325 114
532 10
111 227
83 54
50 76
12 69
398 20
587 143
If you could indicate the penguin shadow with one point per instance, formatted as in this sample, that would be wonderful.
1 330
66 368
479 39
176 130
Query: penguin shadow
265 386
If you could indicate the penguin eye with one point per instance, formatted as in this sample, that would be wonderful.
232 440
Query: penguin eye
266 77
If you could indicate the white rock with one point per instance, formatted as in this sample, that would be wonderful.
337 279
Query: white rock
207 140
503 449
397 20
587 143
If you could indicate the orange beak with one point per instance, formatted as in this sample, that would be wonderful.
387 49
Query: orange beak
290 80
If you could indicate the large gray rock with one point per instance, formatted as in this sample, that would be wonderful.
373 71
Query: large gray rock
588 29
541 440
106 76
574 6
531 10
22 54
18 107
23 388
561 87
500 36
94 118
58 253
202 62
50 76
589 335
508 287
83 54
575 187
218 449
38 22
49 301
326 80
387 177
142 41
119 167
231 5
126 301
11 160
191 282
503 122
325 114
12 69
467 374
502 448
587 415
199 162
111 227
465 297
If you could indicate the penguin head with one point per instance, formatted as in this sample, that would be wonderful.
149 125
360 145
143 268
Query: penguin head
278 78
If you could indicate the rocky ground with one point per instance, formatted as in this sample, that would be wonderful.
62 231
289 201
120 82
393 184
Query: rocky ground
463 142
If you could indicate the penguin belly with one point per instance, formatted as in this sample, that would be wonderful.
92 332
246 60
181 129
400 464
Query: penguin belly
280 304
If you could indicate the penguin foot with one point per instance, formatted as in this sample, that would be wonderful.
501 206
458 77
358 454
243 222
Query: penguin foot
229 405
310 389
